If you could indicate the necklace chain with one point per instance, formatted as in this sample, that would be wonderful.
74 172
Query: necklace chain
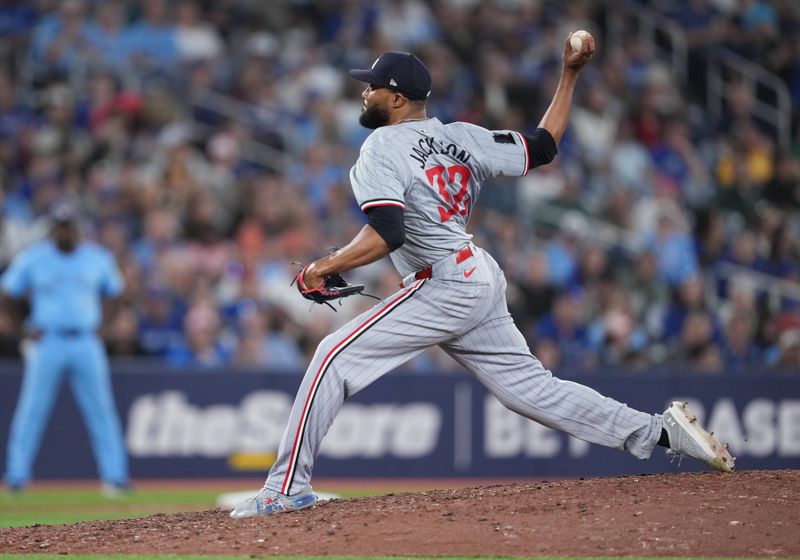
412 119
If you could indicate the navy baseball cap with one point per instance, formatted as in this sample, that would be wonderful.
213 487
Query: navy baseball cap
399 71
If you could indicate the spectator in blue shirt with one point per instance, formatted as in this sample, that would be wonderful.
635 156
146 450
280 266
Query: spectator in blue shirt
61 41
203 346
160 323
151 43
739 350
688 297
565 327
675 251
107 33
562 251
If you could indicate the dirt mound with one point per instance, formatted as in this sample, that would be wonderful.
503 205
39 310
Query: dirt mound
707 514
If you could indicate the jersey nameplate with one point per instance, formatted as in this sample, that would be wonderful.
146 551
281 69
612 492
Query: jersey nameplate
428 146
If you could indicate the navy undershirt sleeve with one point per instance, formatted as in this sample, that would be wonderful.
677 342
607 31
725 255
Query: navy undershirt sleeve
389 223
541 148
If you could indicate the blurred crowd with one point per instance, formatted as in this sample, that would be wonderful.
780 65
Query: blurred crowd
209 143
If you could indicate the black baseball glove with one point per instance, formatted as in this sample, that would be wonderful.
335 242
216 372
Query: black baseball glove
334 287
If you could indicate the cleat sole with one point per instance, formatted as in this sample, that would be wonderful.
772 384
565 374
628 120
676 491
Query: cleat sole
722 460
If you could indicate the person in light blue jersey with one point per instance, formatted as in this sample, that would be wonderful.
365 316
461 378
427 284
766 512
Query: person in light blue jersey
64 281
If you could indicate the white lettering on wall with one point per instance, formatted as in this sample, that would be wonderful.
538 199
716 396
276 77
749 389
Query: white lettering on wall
168 425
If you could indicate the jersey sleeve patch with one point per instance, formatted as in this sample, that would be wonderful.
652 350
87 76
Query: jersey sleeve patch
504 138
381 202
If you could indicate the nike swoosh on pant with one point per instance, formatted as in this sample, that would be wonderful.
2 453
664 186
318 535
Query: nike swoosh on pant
468 273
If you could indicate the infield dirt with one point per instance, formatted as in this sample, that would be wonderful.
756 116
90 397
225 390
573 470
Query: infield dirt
753 513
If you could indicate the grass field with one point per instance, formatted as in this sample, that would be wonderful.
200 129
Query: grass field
50 503
69 504
50 506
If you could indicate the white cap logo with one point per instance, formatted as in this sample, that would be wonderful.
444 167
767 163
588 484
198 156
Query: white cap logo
392 82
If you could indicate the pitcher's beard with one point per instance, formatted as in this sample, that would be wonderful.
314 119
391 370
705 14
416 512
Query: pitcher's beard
374 117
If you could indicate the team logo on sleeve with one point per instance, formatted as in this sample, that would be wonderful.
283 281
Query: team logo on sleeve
504 138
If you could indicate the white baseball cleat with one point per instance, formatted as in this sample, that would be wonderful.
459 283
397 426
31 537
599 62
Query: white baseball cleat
114 491
268 502
687 437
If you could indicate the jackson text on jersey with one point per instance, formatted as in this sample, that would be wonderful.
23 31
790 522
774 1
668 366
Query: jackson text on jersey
428 145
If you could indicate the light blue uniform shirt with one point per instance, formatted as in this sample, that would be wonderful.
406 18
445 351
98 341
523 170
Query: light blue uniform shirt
65 289
159 43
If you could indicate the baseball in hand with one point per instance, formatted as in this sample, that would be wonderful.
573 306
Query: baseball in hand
576 40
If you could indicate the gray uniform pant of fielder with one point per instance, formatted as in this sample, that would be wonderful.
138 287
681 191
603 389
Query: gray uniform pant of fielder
463 309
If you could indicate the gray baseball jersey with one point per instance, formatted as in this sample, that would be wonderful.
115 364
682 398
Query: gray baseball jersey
434 172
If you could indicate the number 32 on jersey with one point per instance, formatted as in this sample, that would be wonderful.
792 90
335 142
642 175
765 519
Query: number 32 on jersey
452 183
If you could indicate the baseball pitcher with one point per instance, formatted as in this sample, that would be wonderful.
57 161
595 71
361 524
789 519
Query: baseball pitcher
417 180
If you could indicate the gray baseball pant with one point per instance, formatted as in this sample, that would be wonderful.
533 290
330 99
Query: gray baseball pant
463 309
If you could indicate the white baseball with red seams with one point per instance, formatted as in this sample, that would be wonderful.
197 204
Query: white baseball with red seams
577 38
435 172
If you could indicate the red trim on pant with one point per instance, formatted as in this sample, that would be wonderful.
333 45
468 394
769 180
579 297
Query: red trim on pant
321 371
